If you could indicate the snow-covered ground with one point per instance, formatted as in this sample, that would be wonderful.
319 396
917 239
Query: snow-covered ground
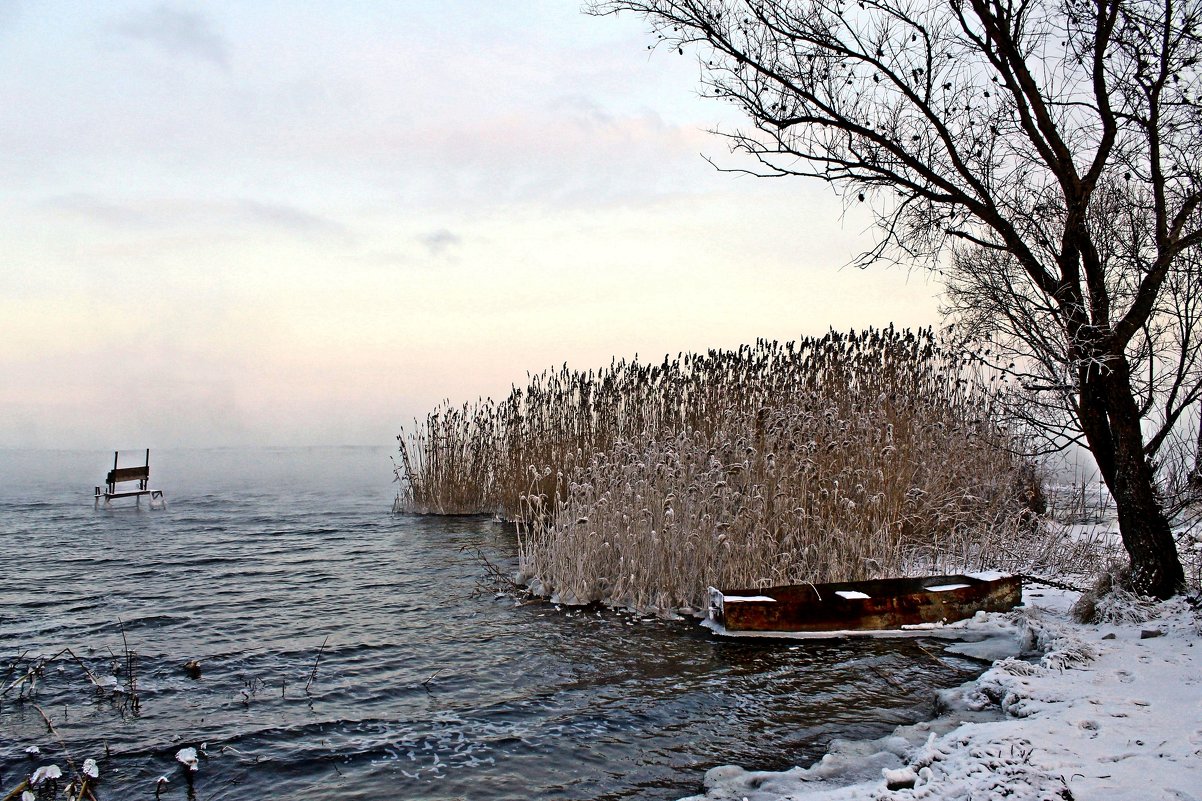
1093 713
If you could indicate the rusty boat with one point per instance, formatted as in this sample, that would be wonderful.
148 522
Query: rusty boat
880 607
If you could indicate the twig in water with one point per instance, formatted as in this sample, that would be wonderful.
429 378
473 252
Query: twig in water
934 658
12 665
36 669
496 579
313 673
29 678
50 728
131 677
890 681
430 678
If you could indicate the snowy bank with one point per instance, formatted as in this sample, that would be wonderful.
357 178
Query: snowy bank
1101 712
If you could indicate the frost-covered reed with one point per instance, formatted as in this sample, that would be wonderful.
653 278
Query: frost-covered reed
446 466
839 457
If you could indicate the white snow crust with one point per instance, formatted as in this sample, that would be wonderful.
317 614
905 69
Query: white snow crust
45 773
1107 712
188 758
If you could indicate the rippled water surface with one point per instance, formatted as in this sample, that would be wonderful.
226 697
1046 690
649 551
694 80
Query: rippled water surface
425 688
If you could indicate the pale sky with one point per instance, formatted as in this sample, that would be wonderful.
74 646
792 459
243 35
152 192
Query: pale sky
297 223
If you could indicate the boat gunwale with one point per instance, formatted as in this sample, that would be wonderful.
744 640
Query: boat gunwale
892 603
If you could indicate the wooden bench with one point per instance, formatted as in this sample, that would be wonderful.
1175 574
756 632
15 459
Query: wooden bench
126 475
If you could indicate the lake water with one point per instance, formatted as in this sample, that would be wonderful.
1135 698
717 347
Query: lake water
426 688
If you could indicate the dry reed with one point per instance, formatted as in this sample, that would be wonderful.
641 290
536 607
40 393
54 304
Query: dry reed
840 457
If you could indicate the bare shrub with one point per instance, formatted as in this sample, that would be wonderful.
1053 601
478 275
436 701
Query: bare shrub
1111 599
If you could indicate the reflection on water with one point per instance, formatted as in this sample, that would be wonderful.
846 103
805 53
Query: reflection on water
425 689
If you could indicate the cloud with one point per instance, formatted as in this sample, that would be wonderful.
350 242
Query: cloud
440 241
98 210
162 214
582 109
178 33
290 218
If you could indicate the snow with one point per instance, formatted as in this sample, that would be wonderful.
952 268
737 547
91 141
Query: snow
852 595
187 757
45 773
946 587
738 598
90 768
1107 712
987 575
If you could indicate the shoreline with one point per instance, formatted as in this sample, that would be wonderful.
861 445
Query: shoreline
1111 710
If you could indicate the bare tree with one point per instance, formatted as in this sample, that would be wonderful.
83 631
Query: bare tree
1045 156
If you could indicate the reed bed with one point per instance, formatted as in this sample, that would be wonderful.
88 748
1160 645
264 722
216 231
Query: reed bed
833 458
446 465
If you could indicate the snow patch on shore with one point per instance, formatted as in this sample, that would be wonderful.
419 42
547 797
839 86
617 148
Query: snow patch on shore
1108 712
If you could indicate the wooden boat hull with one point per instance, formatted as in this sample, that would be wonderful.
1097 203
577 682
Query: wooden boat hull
880 605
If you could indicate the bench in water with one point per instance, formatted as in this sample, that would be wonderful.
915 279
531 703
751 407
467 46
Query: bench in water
127 475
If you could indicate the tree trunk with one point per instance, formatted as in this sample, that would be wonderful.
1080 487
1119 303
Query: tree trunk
1195 476
1111 421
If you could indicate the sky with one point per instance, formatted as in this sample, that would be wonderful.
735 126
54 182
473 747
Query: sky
285 223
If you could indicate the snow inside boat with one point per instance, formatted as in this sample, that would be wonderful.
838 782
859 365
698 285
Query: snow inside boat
883 607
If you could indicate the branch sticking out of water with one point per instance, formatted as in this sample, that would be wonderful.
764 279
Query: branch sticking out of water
131 675
63 745
313 673
28 681
495 579
430 678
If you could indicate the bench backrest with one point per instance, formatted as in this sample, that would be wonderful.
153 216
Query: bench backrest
120 474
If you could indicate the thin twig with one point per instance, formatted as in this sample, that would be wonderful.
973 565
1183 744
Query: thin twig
313 673
58 737
890 681
131 679
496 578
